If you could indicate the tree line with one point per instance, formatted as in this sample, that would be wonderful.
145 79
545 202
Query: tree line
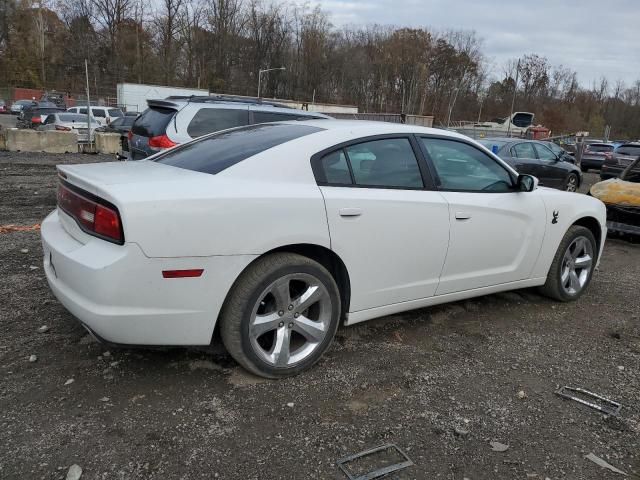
221 45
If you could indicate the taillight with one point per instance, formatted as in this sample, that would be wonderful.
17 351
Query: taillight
129 135
161 141
36 120
92 214
63 128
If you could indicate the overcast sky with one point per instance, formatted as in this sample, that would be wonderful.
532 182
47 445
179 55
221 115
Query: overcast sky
593 37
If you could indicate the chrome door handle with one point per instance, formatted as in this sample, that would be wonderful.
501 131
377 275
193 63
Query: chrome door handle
463 216
350 212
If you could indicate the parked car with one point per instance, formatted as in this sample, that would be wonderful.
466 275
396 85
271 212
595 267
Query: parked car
34 115
54 97
19 105
122 126
69 122
282 231
177 120
594 155
622 198
103 115
615 163
535 158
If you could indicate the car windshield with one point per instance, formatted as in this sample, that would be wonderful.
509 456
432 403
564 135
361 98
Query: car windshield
216 152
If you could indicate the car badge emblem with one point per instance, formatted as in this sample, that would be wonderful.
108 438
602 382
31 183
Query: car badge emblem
555 217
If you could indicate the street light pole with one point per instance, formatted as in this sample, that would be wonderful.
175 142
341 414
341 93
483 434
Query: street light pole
260 72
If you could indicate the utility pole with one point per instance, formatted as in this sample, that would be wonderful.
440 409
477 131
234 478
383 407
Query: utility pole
513 99
86 73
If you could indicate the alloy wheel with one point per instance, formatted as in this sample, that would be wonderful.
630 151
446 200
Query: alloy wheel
572 183
576 265
290 320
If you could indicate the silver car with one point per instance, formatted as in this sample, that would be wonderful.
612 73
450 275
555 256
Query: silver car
70 122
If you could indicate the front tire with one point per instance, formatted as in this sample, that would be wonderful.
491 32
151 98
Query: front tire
572 266
281 315
572 183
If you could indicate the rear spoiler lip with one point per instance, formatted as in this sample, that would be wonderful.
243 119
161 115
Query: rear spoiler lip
163 104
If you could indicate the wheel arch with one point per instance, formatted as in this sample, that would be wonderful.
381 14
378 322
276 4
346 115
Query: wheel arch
593 225
329 260
324 256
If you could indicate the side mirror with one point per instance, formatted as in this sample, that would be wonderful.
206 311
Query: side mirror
526 183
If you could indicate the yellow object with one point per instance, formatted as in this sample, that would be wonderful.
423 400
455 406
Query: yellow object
617 192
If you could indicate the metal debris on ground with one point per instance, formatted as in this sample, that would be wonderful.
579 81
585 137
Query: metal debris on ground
590 399
18 228
598 461
377 473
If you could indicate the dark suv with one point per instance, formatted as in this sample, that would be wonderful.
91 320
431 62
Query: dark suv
177 120
617 161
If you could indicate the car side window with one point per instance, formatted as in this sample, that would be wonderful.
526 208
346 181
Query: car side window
84 111
545 153
389 162
523 150
461 166
209 120
50 119
98 112
334 169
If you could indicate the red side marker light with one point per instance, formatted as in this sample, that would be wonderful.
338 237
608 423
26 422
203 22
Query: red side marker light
195 272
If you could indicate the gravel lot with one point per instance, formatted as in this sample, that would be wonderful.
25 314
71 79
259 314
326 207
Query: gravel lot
409 379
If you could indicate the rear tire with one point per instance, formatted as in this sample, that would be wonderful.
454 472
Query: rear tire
281 315
572 267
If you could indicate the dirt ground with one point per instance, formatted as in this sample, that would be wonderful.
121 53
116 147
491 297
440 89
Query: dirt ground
441 383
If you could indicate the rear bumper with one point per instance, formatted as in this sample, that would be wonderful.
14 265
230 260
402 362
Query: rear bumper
121 296
592 162
610 171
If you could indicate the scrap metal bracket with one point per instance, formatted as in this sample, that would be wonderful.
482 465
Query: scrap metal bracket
380 472
604 405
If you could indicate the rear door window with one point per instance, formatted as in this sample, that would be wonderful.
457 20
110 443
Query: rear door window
523 150
209 120
217 152
153 122
98 112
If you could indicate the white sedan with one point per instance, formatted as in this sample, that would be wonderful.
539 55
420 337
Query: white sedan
277 233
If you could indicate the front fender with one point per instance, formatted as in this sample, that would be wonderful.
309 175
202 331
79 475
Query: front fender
563 210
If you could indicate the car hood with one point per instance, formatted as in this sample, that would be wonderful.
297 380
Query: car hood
617 192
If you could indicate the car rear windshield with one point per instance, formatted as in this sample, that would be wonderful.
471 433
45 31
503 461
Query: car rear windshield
212 154
153 122
632 150
600 148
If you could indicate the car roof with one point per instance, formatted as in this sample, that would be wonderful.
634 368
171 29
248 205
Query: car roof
229 101
368 128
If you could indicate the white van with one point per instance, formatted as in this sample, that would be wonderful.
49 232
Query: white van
103 115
